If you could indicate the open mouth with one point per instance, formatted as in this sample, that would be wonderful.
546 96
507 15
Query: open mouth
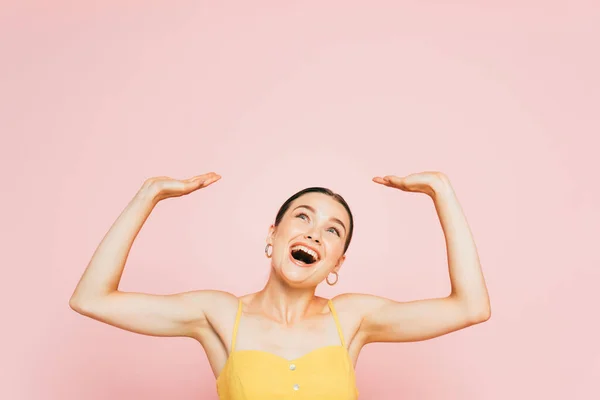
304 255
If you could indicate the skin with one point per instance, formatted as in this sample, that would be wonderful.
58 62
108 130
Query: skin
285 318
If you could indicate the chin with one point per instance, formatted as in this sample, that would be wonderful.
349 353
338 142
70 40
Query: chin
301 276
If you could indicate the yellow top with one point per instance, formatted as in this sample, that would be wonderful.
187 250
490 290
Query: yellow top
326 373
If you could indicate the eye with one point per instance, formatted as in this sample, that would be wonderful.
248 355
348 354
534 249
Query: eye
302 216
334 231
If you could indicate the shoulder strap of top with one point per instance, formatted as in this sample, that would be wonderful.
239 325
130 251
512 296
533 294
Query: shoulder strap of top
337 322
236 325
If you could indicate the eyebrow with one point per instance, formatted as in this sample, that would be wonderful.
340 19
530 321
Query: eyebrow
337 220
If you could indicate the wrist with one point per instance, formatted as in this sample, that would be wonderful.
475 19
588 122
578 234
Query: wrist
441 187
147 194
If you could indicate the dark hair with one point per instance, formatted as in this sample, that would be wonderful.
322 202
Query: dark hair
327 192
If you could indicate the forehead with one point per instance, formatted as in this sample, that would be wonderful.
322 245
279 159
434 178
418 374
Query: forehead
325 206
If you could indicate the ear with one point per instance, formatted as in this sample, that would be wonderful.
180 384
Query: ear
338 265
271 235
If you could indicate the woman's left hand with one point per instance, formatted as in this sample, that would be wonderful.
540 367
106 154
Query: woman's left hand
428 182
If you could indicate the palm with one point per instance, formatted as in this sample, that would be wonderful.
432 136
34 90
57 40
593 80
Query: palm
421 182
165 187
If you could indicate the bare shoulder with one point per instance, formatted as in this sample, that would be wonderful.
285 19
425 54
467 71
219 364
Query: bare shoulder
211 298
356 304
351 309
214 303
354 307
218 309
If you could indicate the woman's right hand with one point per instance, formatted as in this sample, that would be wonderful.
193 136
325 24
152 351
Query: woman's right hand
163 187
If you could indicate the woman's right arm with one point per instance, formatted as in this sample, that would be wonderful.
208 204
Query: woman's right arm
97 295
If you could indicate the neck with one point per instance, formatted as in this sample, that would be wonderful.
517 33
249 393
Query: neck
284 303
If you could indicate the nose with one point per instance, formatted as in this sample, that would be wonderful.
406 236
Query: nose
313 238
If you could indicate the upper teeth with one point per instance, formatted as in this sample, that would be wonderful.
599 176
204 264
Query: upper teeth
307 250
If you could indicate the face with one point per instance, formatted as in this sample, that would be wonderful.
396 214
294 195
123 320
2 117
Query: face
308 244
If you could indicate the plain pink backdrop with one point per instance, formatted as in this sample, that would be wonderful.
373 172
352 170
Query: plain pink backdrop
502 96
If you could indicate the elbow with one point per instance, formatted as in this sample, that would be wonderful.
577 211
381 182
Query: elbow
82 305
78 305
480 314
475 309
86 302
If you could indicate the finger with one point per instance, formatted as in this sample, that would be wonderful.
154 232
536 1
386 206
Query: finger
388 180
395 180
201 181
210 181
380 180
203 176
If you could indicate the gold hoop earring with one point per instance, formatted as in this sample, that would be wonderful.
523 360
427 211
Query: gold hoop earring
267 251
336 279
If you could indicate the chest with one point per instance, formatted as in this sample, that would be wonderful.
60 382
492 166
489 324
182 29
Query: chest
288 342
324 373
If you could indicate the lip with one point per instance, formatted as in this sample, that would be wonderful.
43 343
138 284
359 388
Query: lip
307 246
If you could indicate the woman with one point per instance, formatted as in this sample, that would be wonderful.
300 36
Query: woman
284 341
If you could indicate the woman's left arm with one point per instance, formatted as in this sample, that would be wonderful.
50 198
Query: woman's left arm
385 320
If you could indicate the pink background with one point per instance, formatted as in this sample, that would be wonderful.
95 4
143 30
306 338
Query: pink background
503 98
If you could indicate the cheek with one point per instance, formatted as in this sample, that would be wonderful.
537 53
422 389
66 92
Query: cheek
285 232
290 229
335 245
